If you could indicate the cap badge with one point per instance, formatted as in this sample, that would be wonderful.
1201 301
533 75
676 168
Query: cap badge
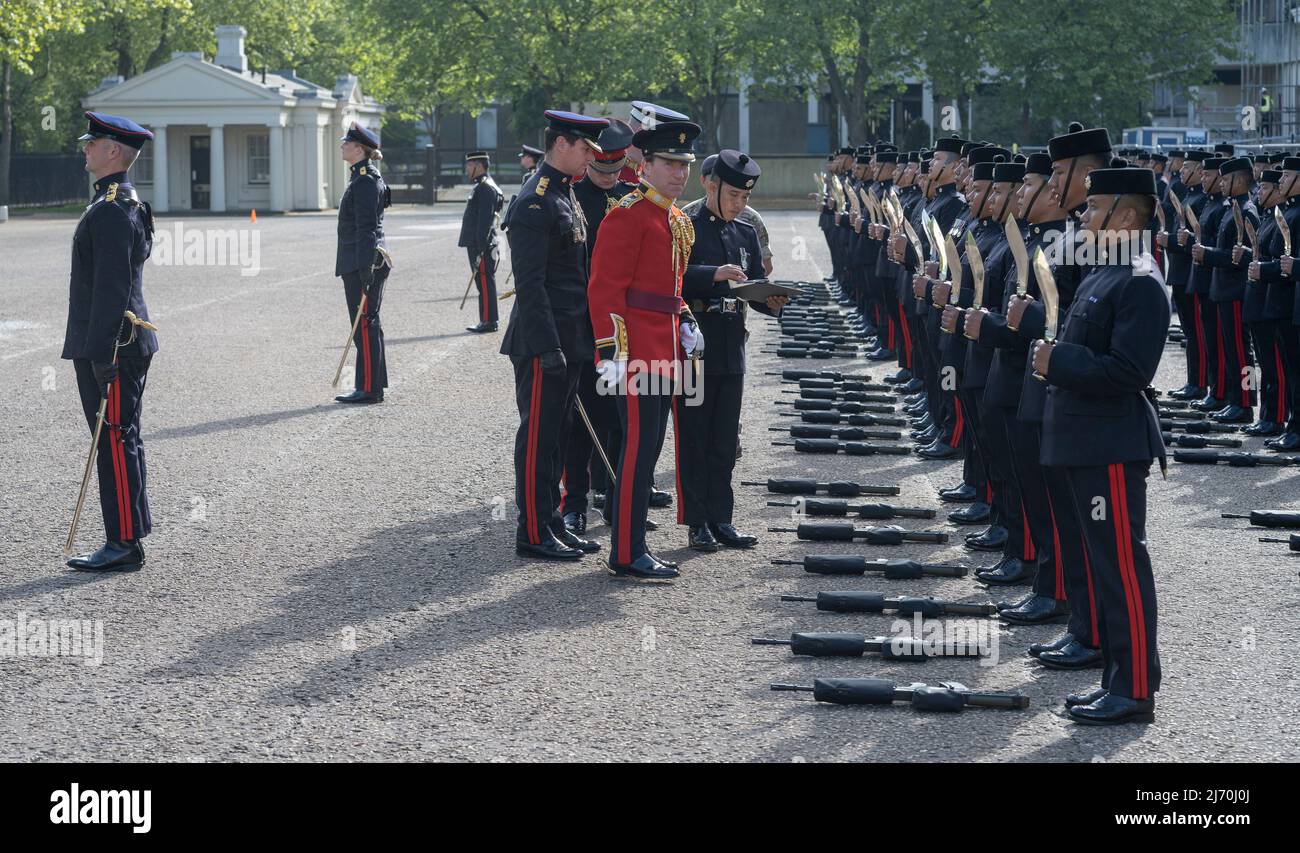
681 138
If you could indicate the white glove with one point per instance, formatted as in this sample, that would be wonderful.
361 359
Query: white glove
611 376
692 339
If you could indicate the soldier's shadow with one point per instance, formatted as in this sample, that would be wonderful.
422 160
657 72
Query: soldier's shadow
260 419
433 570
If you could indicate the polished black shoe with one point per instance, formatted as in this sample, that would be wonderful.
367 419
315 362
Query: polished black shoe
976 512
701 539
1233 415
913 386
882 355
913 399
112 556
362 397
482 327
651 525
728 535
1207 404
903 375
1036 649
918 409
1188 392
1085 698
549 549
1284 443
1008 571
644 567
1112 710
938 451
923 421
1038 610
575 522
1263 428
1074 655
661 561
993 539
965 493
598 498
925 437
660 499
1051 645
1009 605
586 546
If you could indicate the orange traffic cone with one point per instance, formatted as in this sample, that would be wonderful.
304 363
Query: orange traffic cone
253 216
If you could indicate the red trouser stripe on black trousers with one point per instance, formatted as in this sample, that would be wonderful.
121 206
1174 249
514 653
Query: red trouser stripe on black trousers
1132 594
677 465
626 480
365 347
1239 341
1202 381
906 356
530 476
1059 592
1092 594
119 460
1280 416
482 289
961 423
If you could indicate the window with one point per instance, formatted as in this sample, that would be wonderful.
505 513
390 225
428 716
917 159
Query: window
142 171
259 158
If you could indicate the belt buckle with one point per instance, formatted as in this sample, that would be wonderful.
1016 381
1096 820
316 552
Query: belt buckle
728 305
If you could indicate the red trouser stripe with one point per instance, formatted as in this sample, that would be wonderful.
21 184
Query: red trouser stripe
530 457
627 476
1028 551
677 464
1239 335
1201 379
907 338
1221 386
1281 382
890 321
365 352
1132 596
956 431
483 289
1059 591
119 461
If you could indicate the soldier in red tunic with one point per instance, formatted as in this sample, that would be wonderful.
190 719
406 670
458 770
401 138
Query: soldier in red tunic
643 329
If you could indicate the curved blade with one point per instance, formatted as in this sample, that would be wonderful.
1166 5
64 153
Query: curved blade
976 261
1250 235
1193 221
1017 243
936 246
913 238
1047 289
1160 217
1236 220
954 268
1286 232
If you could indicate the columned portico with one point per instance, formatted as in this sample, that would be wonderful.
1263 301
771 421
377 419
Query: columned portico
160 186
218 143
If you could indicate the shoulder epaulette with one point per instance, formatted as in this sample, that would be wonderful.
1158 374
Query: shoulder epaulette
631 198
542 184
111 195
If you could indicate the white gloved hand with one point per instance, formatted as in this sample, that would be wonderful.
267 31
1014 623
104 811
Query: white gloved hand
611 376
692 339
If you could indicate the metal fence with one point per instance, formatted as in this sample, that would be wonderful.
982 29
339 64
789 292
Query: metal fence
46 180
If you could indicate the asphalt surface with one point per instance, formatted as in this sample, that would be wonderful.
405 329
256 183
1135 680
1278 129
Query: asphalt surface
332 583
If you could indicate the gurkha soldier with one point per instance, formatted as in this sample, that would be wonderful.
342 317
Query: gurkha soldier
1274 268
1202 276
1265 308
1186 192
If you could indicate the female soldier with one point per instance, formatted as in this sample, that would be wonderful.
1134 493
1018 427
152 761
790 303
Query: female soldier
362 260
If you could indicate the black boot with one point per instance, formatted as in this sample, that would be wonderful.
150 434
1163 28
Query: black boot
1036 649
1085 698
1073 655
959 494
977 512
992 539
575 522
660 499
1038 610
701 539
1112 710
550 548
1010 570
1284 443
644 567
586 546
482 327
731 537
361 397
1188 392
113 556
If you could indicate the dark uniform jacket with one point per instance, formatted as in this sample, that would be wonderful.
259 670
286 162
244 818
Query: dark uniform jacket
476 227
1228 280
1180 257
1109 347
996 254
596 203
1211 215
548 253
109 248
721 318
1011 348
1280 301
361 219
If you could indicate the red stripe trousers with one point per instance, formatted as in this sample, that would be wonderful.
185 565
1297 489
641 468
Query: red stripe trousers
120 457
1110 502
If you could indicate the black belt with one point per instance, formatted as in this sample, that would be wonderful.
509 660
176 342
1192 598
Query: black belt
721 305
